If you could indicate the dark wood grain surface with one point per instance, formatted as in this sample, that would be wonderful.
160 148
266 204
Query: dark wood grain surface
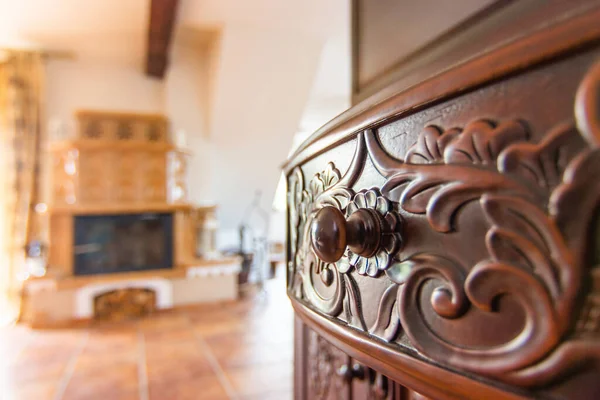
489 29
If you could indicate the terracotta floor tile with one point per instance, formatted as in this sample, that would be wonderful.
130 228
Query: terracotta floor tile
56 336
27 371
160 351
44 353
258 380
280 331
112 341
12 341
175 370
216 315
116 394
205 388
204 311
251 340
94 359
231 353
114 326
38 390
169 335
165 321
209 329
120 378
286 394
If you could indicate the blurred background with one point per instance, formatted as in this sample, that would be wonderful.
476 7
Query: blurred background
142 210
141 150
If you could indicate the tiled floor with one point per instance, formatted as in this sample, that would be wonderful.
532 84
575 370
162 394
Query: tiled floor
237 350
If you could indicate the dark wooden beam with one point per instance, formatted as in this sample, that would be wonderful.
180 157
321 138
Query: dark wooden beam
160 31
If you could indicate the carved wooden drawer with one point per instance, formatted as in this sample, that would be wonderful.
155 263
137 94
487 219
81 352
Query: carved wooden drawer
331 374
447 236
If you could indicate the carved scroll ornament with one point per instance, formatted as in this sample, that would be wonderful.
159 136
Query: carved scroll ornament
538 200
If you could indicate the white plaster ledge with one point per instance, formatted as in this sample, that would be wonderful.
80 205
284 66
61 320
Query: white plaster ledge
213 270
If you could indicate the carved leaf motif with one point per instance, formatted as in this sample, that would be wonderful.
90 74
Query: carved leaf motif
587 104
296 216
330 176
387 324
481 142
310 269
439 190
517 237
543 163
526 248
573 206
324 180
316 186
529 262
483 284
353 307
400 270
296 186
575 201
448 300
541 332
343 265
430 145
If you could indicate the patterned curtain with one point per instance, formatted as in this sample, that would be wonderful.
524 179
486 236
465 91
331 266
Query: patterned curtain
21 101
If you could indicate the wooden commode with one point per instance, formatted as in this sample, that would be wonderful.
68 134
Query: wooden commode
443 232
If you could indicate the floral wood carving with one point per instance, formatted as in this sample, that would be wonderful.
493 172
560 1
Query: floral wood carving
338 291
529 257
380 261
537 201
326 362
327 188
321 375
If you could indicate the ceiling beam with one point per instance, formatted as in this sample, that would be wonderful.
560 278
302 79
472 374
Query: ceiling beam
160 31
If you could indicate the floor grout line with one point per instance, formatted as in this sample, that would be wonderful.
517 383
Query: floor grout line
142 367
70 369
214 364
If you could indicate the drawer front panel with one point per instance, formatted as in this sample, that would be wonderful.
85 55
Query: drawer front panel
327 373
460 239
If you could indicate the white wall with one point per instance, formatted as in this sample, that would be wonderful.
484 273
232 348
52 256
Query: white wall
188 104
264 80
73 85
329 96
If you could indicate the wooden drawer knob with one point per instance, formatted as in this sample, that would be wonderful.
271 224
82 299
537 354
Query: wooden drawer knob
331 233
348 373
